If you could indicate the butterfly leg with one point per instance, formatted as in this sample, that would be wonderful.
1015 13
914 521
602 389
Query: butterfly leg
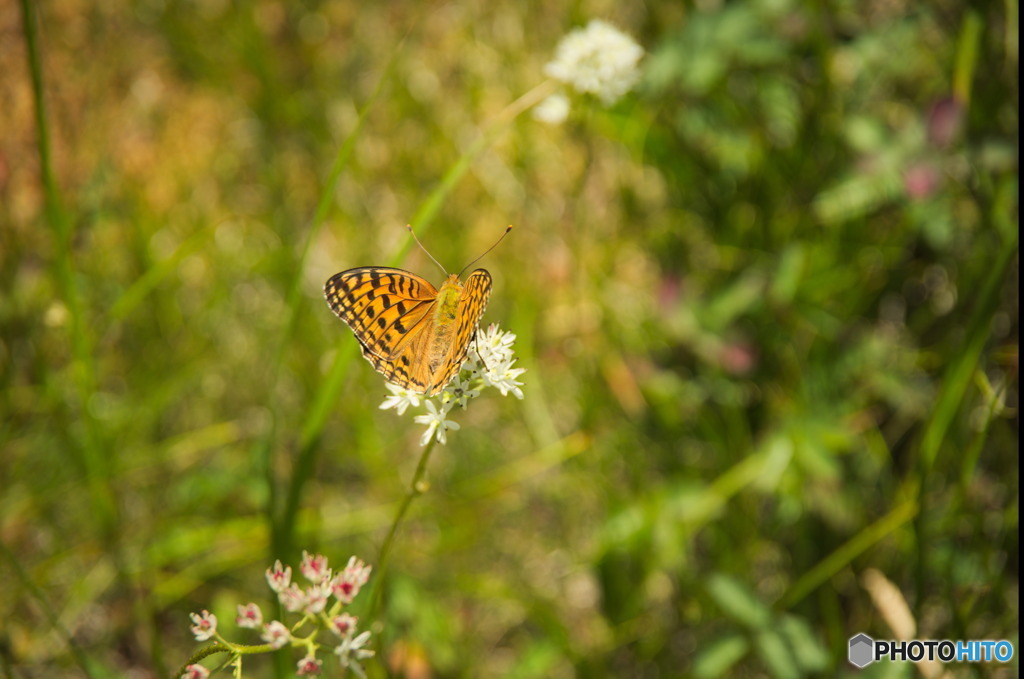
476 335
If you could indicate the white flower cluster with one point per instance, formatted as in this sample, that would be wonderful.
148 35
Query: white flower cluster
600 60
488 364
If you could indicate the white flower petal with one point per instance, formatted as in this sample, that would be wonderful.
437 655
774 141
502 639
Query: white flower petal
553 110
599 60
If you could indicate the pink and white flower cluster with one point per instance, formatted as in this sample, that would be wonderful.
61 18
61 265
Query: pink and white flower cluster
313 603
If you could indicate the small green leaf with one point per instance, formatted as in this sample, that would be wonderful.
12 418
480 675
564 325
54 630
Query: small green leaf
808 650
778 658
719 656
738 602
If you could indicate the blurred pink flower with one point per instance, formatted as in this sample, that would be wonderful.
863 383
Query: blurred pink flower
920 181
738 358
945 119
669 292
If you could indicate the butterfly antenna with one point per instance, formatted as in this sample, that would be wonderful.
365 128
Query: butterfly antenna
409 226
507 229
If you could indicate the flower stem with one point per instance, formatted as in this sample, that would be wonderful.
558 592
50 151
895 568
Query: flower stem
200 654
224 646
416 488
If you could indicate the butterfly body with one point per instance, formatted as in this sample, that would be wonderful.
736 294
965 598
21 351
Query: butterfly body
414 334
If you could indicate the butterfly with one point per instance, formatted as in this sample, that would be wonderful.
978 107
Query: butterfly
415 335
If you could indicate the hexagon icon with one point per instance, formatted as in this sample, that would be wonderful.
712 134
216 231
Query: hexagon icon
862 650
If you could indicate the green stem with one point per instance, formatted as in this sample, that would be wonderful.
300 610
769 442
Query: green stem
847 552
416 488
93 460
222 646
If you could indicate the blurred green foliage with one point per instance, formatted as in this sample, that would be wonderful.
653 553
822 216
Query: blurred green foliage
768 304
